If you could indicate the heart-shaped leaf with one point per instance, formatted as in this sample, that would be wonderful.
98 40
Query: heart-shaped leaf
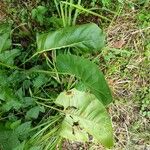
85 115
88 72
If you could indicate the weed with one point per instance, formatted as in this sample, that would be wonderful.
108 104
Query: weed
145 110
31 94
39 14
45 60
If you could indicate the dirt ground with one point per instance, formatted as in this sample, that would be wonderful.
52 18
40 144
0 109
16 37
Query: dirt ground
2 14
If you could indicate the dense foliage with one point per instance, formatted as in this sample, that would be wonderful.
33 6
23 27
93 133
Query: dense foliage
53 57
35 111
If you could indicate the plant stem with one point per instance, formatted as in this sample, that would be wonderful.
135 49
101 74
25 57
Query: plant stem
70 13
62 15
55 69
86 10
56 4
50 107
76 13
66 13
70 82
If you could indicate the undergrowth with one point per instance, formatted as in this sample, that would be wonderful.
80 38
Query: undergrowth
36 73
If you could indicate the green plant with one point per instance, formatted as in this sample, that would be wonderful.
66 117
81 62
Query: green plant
39 14
106 2
40 99
67 63
82 112
145 110
144 18
78 66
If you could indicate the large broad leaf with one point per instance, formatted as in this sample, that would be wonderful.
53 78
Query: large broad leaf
88 72
88 38
85 116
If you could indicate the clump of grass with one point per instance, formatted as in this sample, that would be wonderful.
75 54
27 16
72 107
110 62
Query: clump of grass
127 69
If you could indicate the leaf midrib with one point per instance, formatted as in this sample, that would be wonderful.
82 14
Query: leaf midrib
65 46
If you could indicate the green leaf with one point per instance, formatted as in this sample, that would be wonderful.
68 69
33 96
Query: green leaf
38 14
34 112
40 80
15 124
106 2
4 28
21 146
29 101
13 104
39 11
89 74
88 38
11 101
8 140
23 130
80 86
36 148
3 78
6 93
85 115
5 41
7 57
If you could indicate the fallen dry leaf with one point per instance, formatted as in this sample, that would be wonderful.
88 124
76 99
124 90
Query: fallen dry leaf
118 44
